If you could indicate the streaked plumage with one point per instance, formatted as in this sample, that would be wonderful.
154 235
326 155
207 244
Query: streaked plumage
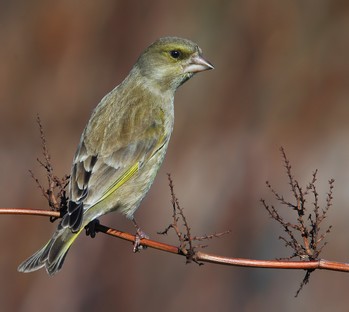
123 144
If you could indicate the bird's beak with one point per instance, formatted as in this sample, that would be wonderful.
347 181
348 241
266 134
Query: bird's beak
197 64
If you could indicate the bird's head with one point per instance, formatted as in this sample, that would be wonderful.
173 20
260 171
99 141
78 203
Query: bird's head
170 61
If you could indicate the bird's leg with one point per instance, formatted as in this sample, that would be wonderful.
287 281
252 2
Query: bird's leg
91 228
139 235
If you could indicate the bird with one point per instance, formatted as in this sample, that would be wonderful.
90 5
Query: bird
123 145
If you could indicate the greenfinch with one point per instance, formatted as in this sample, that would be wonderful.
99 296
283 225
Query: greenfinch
123 144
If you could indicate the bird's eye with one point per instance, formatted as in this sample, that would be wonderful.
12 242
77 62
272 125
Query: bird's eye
175 54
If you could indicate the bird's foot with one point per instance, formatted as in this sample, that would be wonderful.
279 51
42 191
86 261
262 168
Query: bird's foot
137 246
91 228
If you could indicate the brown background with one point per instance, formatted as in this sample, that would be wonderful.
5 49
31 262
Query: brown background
281 78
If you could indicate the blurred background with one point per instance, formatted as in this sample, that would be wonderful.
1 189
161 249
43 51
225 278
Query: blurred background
281 78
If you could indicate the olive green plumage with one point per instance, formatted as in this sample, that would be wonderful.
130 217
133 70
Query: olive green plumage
123 144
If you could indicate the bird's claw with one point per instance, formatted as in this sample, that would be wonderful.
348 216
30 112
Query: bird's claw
137 246
91 228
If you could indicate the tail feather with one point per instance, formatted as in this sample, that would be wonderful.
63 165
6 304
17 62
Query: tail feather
33 263
52 255
55 266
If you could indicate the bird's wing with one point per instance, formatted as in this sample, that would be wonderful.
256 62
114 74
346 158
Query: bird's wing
97 173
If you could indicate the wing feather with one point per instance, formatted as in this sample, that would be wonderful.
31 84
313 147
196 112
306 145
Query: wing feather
101 167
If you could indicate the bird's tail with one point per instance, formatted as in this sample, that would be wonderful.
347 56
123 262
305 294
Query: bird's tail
52 255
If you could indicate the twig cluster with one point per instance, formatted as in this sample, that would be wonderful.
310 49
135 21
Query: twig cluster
184 236
312 242
55 193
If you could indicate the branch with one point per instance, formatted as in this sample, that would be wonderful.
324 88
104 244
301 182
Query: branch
199 255
31 212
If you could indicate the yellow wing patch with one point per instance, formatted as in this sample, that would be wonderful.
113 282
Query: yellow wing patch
120 181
